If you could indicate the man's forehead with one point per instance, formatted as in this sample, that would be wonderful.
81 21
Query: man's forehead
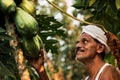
85 35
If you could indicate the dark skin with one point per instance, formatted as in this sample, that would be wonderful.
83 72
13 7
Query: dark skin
88 52
110 73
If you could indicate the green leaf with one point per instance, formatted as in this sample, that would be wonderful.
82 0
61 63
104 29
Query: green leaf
78 6
55 25
113 5
5 74
32 72
9 62
86 2
5 36
5 47
118 35
49 27
54 49
48 33
99 5
2 30
61 32
118 15
47 47
82 4
51 19
109 59
91 2
111 24
51 41
95 4
48 23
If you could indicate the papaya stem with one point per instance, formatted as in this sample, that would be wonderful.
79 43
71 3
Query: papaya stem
86 22
54 5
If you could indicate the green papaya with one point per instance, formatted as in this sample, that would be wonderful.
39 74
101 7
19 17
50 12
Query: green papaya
117 2
7 6
27 26
31 47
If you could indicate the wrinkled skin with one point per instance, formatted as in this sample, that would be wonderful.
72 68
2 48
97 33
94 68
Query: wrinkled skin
87 52
86 48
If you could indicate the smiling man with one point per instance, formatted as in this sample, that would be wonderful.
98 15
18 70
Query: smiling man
91 48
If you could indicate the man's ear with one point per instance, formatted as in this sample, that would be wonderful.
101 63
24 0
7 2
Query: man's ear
100 48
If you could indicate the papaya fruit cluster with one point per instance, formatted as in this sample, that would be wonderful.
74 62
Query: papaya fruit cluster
26 25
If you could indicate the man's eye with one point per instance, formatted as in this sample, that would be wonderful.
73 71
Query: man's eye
85 41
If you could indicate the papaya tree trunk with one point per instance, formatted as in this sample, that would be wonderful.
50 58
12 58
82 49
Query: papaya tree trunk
23 71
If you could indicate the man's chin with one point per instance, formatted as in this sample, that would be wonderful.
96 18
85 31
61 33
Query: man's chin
77 59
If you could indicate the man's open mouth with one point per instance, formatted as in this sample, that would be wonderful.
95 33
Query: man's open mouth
78 50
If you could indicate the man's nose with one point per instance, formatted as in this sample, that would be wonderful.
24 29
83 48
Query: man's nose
79 44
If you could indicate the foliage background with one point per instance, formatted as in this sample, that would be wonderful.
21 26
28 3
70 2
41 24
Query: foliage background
59 34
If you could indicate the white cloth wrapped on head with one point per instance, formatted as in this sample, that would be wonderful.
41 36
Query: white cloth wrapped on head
98 34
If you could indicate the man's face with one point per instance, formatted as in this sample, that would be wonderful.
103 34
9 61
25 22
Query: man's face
86 47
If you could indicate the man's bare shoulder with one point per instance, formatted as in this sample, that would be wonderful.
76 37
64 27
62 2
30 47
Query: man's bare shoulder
110 73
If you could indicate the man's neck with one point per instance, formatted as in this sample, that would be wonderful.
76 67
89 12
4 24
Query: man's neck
94 66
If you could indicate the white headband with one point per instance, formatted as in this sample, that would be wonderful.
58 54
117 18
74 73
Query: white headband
98 34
